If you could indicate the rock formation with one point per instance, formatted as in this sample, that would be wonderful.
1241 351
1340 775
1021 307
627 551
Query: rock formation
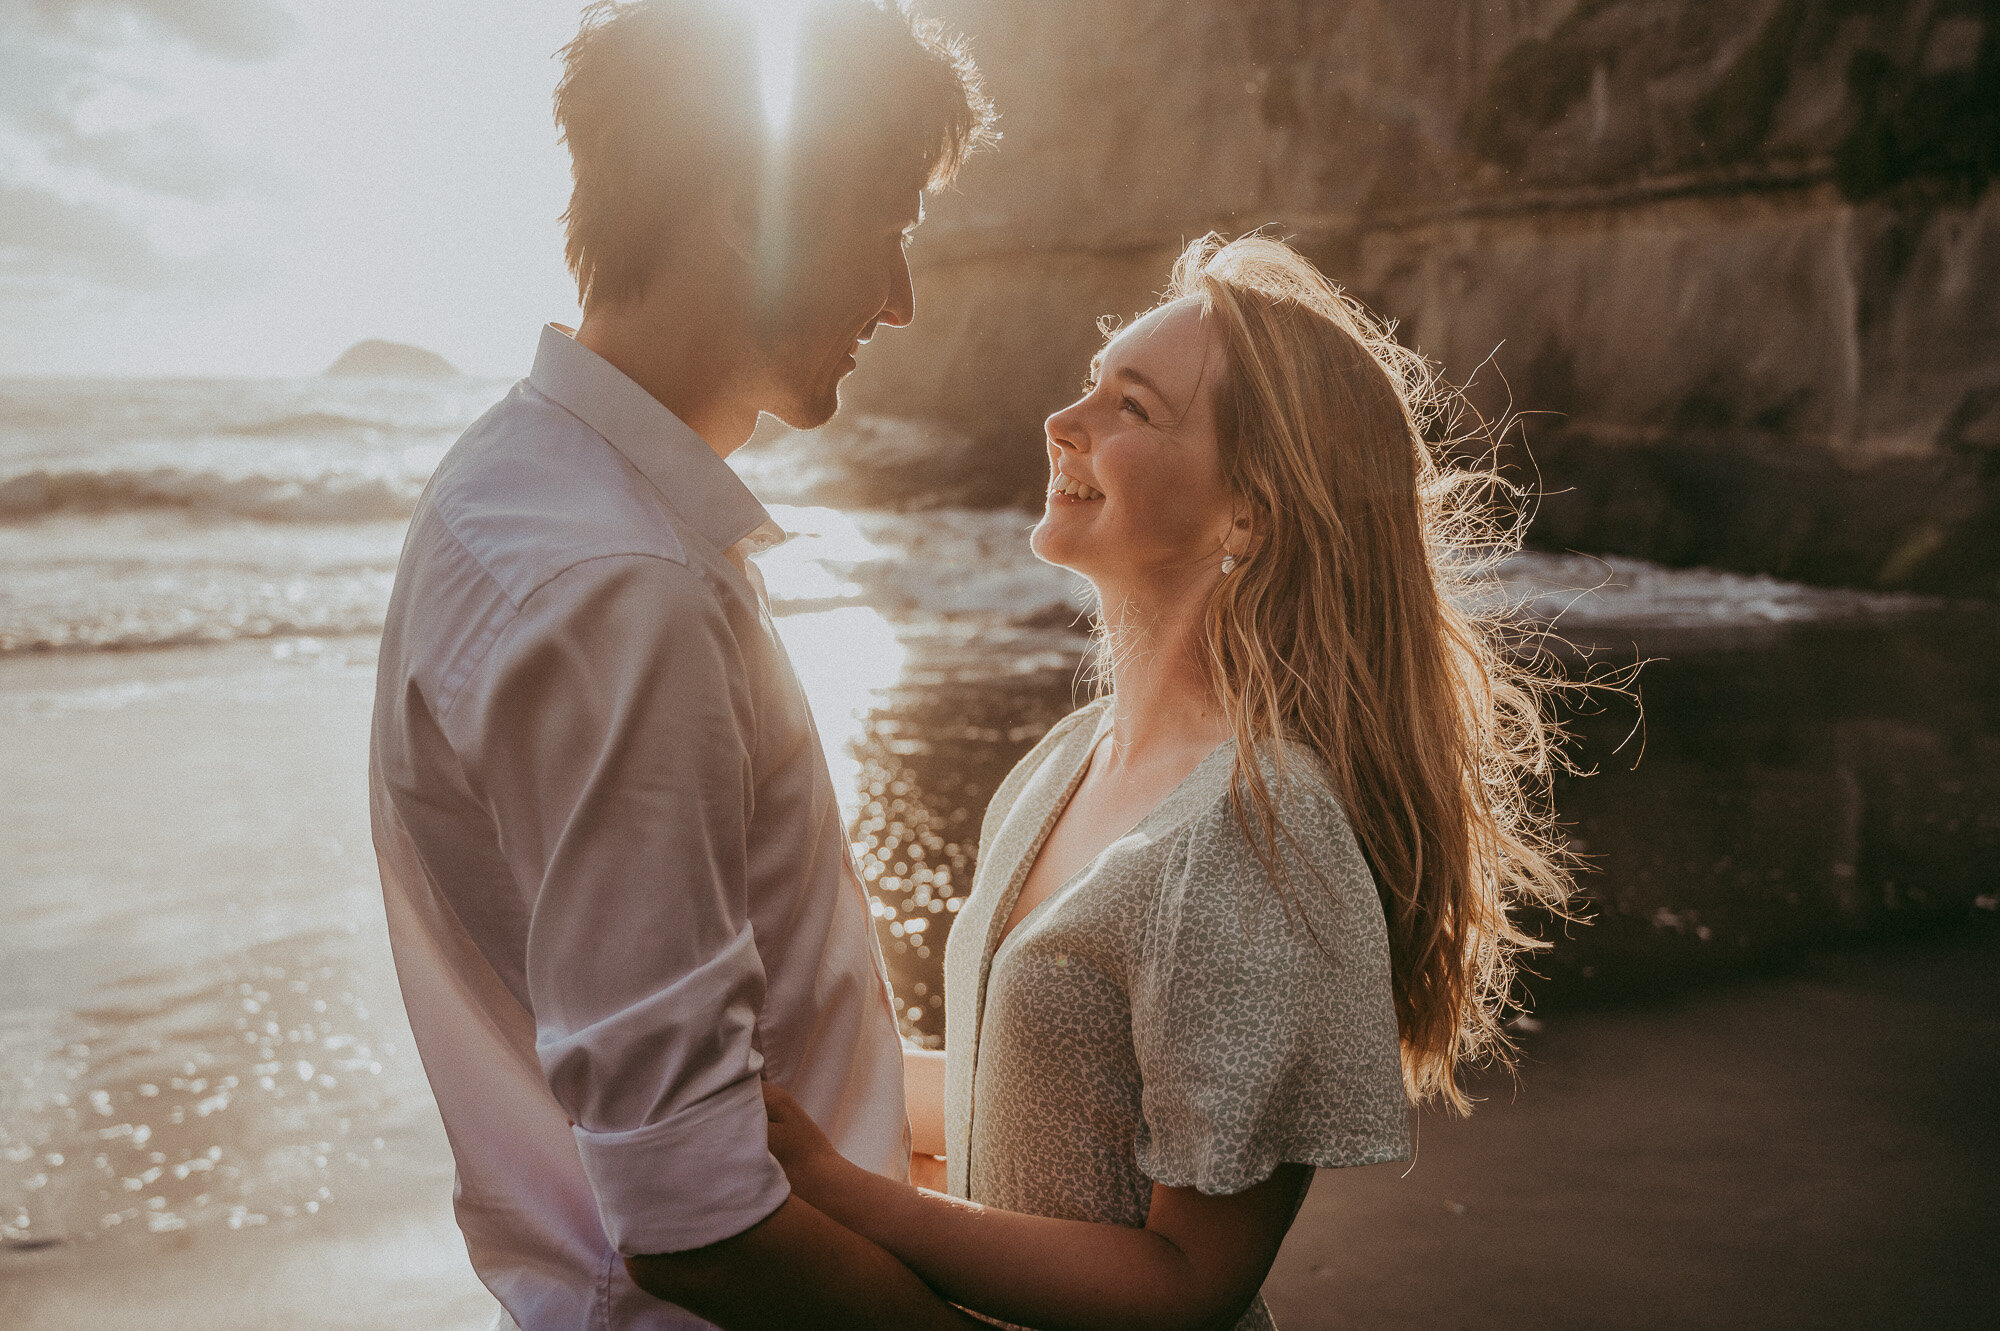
376 359
1740 263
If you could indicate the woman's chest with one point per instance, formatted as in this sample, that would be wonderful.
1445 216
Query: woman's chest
1054 1059
1102 809
1049 997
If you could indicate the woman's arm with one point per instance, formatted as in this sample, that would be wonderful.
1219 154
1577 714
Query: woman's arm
794 1268
1195 1266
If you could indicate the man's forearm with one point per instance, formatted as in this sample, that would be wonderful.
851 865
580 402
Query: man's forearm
796 1269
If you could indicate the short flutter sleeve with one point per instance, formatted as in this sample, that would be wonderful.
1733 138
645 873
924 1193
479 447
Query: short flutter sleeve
1261 1041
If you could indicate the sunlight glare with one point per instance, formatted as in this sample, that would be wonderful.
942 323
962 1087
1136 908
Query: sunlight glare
845 656
811 566
777 52
846 659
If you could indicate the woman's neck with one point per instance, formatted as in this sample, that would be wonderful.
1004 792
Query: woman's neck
1161 705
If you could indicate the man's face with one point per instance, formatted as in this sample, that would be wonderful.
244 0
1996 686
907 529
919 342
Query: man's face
846 276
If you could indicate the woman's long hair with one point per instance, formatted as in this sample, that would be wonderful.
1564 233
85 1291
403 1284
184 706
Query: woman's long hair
1363 623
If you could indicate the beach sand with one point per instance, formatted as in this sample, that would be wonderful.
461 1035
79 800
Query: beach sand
1815 1149
1809 1149
182 824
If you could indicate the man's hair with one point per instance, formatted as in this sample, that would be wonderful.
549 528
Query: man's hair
661 108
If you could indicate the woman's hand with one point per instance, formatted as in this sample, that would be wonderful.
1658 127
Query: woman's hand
810 1161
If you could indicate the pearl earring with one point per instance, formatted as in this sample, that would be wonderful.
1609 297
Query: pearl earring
1228 563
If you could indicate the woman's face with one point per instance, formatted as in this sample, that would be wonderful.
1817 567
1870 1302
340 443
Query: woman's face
1136 496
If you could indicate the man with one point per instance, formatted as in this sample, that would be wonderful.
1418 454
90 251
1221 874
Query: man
619 890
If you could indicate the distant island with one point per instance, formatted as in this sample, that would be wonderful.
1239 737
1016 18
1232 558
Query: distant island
376 359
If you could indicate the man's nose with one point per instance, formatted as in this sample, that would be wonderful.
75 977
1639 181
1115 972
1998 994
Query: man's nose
902 303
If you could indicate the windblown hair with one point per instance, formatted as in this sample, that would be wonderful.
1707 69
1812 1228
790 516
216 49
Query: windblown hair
661 108
1363 624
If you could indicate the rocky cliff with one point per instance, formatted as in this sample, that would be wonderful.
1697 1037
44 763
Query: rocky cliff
1738 261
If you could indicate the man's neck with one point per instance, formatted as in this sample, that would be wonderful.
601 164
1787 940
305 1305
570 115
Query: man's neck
681 362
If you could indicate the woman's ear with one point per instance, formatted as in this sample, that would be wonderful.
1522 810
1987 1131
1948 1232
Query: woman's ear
1247 525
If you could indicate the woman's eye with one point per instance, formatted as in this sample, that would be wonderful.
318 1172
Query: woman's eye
1127 404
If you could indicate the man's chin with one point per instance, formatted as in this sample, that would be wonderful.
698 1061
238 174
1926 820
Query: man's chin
811 411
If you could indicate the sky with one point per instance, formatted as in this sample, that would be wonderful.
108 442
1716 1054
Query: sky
248 187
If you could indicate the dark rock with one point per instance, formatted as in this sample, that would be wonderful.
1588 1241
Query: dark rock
376 359
1751 505
1750 254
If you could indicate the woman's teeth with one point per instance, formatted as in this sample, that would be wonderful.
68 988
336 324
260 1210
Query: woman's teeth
1075 489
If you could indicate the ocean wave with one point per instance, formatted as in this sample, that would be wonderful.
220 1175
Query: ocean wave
309 423
352 496
88 583
109 612
890 464
94 413
1615 591
132 633
943 564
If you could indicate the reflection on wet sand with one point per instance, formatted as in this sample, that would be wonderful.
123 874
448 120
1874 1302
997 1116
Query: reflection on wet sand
184 1097
1784 788
202 1051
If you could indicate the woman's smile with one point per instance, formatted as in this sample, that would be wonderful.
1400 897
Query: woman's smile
1067 489
1139 450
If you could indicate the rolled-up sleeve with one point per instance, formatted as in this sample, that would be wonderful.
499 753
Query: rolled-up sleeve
616 727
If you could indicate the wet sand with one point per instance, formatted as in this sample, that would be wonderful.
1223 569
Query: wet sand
186 835
1813 1148
1810 1150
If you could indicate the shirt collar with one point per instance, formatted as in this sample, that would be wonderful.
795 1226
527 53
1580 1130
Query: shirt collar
699 485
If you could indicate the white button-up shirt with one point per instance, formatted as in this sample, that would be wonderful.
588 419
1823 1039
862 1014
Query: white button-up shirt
618 885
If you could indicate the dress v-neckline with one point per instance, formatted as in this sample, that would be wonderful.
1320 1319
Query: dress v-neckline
1048 827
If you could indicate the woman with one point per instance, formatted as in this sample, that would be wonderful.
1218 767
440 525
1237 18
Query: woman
1234 916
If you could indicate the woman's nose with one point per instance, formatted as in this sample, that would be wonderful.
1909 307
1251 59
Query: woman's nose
1065 430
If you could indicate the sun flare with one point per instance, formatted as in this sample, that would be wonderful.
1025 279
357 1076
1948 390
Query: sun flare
777 54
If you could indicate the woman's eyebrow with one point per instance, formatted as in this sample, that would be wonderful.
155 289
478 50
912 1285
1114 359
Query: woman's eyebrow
1127 372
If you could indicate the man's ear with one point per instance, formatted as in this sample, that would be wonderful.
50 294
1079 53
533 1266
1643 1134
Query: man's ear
732 216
